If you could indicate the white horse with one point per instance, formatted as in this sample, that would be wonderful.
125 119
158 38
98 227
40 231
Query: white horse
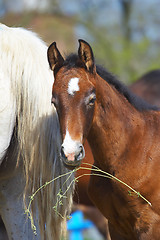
29 140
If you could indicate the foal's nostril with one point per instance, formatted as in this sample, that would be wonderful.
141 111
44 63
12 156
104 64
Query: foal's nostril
81 153
81 149
62 152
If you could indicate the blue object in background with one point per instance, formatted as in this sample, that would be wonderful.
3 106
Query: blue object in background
76 225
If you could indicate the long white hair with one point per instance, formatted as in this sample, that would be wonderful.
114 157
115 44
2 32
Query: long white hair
23 60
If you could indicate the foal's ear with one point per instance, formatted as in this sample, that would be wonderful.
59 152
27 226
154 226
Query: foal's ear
85 53
55 59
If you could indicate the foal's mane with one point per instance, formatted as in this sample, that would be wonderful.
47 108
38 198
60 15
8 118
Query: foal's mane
72 61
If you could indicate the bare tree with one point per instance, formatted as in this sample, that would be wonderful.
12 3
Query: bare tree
126 6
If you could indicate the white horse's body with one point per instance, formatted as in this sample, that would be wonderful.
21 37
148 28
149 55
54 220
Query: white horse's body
7 114
29 138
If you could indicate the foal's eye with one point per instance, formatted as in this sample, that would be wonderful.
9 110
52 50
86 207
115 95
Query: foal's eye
54 102
92 100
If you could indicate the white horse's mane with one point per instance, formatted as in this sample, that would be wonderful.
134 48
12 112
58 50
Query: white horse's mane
23 61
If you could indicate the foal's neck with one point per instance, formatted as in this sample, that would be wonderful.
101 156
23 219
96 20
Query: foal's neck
113 126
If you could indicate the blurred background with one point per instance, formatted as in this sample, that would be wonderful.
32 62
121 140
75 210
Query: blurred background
124 34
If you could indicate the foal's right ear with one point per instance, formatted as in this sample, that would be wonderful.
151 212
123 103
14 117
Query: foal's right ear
55 59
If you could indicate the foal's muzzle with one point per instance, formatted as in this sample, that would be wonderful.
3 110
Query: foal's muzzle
73 160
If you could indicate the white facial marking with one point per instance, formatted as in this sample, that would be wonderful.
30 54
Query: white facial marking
73 86
70 145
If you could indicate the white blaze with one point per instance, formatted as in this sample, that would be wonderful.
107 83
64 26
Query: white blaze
70 145
73 86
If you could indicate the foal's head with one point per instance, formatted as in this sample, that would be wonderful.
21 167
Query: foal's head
74 97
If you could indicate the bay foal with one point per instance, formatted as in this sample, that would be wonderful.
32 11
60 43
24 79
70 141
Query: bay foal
123 133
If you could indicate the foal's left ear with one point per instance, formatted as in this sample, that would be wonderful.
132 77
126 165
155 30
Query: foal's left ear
85 54
55 59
